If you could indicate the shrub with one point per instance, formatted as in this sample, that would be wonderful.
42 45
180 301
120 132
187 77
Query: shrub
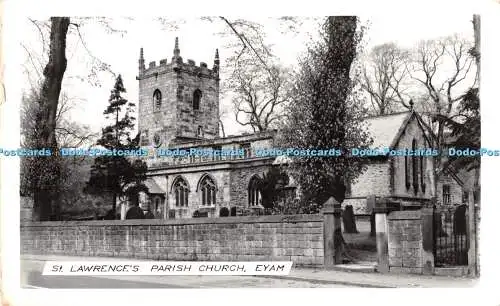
134 212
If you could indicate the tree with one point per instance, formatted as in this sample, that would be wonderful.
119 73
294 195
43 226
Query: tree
325 113
465 125
68 134
270 185
441 67
45 184
465 129
45 174
384 77
260 95
116 174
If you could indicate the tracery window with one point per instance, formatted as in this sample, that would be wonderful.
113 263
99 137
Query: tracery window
181 191
208 191
254 195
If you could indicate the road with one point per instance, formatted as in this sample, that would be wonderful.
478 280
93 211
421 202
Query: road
32 278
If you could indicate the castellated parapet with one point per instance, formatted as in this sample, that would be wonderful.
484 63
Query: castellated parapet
178 100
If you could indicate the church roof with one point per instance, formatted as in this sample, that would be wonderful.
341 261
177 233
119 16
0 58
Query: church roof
153 187
386 129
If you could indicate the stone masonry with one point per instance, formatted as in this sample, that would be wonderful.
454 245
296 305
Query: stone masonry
405 242
174 116
297 238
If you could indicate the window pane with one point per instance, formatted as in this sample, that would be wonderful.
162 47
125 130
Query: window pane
203 198
407 173
446 195
213 196
250 195
414 166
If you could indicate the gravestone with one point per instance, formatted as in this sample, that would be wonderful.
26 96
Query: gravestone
224 212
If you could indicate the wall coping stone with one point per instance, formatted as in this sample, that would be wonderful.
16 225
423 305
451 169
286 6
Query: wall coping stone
405 215
175 222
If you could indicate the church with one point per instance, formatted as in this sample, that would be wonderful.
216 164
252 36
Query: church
179 110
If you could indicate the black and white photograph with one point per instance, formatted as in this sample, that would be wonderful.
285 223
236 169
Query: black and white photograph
211 152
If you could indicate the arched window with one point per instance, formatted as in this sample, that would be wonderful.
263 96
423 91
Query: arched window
414 163
181 191
208 191
254 196
157 100
196 99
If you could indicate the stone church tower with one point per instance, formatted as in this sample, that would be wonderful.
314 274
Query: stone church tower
178 101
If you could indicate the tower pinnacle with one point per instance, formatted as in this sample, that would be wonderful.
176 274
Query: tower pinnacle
142 66
177 52
216 62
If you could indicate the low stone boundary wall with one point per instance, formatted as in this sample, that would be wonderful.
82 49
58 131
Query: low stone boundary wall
296 238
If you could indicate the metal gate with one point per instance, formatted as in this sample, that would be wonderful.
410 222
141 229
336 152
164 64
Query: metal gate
451 243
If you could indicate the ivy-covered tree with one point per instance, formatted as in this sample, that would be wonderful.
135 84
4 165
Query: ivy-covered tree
118 175
270 186
325 113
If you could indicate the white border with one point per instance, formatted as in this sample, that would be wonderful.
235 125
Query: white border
489 243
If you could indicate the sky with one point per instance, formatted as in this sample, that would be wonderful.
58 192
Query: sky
198 40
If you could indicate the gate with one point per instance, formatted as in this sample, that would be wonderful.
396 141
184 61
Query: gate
451 243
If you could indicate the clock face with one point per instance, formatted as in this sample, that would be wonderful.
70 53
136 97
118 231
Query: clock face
157 140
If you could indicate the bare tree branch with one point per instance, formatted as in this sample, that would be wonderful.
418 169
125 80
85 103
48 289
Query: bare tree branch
383 76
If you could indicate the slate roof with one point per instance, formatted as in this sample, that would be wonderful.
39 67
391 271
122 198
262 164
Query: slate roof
153 187
386 129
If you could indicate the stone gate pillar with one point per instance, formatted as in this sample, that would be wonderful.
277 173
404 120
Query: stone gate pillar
332 224
381 209
428 233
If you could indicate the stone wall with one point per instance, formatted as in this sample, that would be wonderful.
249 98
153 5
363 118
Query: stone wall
297 238
376 178
26 212
456 191
239 181
406 241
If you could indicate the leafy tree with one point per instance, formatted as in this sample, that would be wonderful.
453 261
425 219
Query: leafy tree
465 129
325 113
270 185
118 175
